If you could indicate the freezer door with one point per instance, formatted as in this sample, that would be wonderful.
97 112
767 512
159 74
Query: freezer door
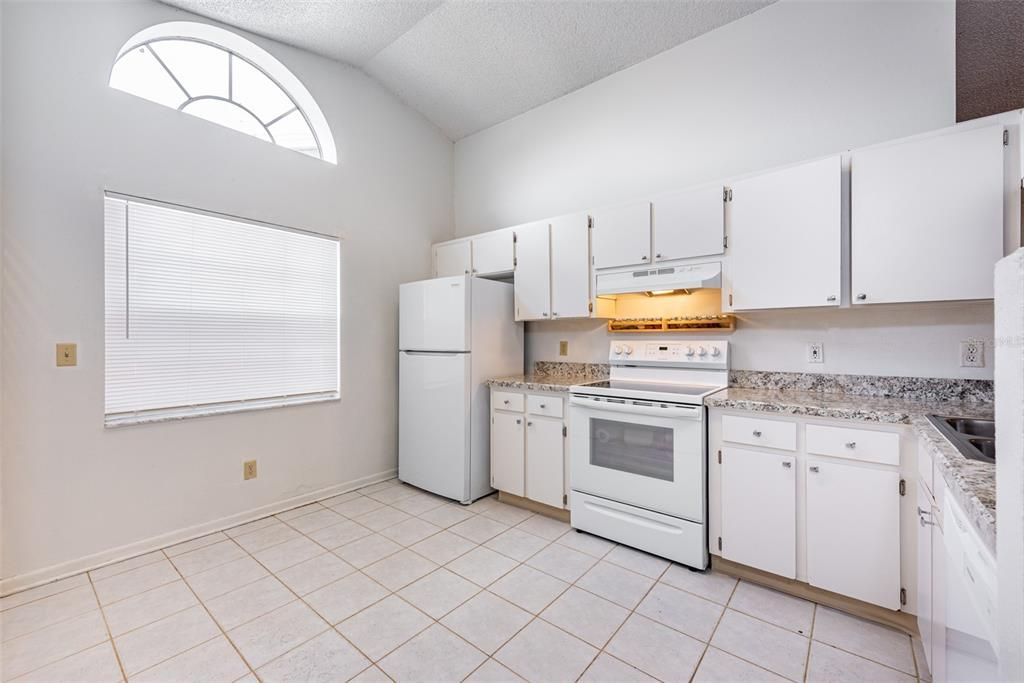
434 315
433 422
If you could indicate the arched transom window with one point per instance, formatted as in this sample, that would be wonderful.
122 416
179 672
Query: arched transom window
219 76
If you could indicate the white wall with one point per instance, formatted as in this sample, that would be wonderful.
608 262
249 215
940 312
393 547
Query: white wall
71 488
796 80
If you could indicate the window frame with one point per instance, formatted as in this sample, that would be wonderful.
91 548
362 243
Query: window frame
237 47
174 413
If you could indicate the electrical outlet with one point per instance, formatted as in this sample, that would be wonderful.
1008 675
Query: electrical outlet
972 353
67 355
563 348
815 352
249 469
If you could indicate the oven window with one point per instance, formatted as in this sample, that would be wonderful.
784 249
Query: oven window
629 447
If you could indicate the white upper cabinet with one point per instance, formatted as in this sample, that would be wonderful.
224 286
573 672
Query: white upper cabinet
622 235
570 267
494 252
453 258
688 223
533 272
927 218
785 237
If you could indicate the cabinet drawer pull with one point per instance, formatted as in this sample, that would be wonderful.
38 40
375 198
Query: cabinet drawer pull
815 469
529 424
543 406
851 444
507 401
787 464
657 256
757 432
831 298
519 422
643 258
862 297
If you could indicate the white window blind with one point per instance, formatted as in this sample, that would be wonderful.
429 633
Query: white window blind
207 314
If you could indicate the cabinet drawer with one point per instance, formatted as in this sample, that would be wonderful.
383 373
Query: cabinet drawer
506 400
758 432
544 405
854 444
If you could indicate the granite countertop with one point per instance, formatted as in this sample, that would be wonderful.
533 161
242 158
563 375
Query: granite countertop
971 482
537 381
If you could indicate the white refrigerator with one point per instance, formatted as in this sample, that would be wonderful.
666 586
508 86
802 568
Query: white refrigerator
454 334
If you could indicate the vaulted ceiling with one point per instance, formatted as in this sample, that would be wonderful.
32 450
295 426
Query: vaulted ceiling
469 64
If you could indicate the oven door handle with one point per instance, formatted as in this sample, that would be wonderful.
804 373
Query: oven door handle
633 409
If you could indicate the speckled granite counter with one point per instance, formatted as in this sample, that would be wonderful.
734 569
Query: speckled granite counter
538 382
972 483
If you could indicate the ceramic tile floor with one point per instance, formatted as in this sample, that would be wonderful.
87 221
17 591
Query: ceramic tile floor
391 583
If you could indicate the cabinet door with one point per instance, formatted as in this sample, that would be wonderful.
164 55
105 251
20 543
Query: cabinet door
494 252
688 223
926 218
544 461
533 272
570 267
759 510
507 452
853 531
452 258
622 235
784 238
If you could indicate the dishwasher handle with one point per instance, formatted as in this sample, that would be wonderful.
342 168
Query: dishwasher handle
634 409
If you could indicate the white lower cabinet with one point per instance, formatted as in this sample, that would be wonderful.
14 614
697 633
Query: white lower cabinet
816 500
545 461
759 510
507 452
853 531
528 445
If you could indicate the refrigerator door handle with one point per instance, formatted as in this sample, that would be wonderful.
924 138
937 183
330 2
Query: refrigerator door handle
435 353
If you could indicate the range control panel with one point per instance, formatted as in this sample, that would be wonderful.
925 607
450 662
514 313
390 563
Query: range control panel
696 353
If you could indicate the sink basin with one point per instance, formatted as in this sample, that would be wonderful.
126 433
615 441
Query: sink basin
974 438
972 426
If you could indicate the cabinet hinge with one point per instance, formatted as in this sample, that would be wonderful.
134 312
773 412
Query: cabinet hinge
515 261
719 455
726 194
719 542
592 260
1006 138
725 241
590 307
590 222
515 238
730 299
565 499
903 596
565 431
903 487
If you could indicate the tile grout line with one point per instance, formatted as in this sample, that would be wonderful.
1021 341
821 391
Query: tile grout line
106 625
718 622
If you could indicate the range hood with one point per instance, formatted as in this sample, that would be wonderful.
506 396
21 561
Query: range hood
660 280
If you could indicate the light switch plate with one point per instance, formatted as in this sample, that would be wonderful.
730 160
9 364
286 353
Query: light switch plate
563 348
67 355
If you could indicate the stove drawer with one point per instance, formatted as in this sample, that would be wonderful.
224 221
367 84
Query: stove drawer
544 405
757 432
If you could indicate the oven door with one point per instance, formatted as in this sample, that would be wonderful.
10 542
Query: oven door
646 454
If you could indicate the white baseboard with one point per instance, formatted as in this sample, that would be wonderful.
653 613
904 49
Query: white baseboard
20 582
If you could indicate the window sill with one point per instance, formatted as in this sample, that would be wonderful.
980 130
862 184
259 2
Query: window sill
116 420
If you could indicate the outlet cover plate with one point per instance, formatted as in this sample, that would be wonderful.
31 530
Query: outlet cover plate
972 354
815 352
563 348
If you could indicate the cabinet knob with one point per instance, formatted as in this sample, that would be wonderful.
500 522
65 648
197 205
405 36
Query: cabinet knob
543 406
544 314
507 401
815 469
832 297
787 464
519 421
757 432
851 444
553 314
643 258
529 424
657 256
467 271
862 297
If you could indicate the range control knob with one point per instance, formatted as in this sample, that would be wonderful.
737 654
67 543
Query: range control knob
716 352
689 351
702 352
617 349
627 349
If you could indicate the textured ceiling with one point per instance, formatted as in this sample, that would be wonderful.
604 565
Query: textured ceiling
469 64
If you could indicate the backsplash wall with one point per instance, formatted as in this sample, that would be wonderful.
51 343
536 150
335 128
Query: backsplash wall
911 340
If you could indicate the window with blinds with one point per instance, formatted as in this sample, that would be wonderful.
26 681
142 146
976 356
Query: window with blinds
209 314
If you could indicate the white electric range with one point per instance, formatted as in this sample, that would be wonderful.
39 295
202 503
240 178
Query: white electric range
639 446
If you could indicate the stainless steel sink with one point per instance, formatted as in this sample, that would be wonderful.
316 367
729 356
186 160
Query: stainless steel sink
974 438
